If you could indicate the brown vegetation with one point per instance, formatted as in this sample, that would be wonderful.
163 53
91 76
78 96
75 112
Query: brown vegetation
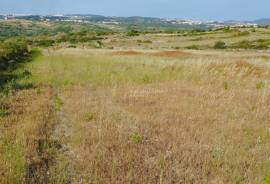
173 54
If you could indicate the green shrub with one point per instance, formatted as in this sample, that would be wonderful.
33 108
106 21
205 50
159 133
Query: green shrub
72 46
45 43
11 52
220 45
133 33
26 74
193 47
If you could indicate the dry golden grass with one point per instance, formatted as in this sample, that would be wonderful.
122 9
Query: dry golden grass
173 54
26 145
135 118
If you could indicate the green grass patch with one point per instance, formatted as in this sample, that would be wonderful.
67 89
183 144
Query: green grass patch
136 138
260 85
89 116
58 103
64 70
4 110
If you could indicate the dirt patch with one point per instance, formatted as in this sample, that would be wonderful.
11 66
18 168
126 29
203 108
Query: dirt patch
127 53
173 54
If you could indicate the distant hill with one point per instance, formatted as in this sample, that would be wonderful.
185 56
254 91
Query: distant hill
265 21
141 23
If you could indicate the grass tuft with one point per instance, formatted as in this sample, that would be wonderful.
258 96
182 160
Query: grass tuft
4 110
136 138
260 85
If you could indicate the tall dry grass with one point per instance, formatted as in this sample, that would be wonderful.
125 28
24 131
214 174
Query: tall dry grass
153 118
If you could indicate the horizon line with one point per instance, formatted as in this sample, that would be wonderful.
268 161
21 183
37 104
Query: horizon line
114 16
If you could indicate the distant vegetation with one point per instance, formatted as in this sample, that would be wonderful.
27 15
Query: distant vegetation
255 44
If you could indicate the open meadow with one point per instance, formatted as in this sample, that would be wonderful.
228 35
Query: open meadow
133 103
79 115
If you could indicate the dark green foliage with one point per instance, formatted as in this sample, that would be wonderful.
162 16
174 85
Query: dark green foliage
12 52
44 43
72 46
220 45
133 33
193 47
12 55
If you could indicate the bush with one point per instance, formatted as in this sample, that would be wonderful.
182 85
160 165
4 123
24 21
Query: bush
45 43
133 33
193 47
11 52
72 46
220 45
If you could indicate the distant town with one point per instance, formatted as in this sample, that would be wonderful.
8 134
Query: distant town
88 18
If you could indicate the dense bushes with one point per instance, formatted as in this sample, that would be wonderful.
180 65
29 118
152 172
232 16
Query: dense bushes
11 52
45 43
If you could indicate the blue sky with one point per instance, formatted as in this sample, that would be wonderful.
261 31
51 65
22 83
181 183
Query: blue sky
193 9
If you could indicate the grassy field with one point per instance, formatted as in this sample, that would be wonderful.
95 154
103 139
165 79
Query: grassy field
137 116
193 40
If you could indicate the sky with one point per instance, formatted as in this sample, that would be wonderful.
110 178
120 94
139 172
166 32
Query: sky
188 9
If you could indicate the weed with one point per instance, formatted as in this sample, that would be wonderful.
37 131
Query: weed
260 85
58 103
4 110
136 138
225 85
89 116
